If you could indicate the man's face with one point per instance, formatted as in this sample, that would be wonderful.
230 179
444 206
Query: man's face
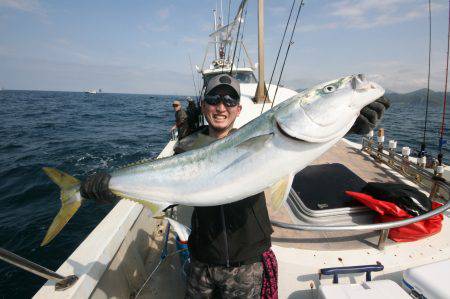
220 117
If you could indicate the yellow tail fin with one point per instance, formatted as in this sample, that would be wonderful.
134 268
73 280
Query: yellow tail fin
279 192
70 201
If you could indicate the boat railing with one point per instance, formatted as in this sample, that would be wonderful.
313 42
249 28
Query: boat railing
402 163
439 190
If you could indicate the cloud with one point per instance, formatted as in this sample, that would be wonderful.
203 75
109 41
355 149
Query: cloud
43 74
69 50
276 10
163 13
155 44
193 40
154 27
29 6
5 51
317 27
364 14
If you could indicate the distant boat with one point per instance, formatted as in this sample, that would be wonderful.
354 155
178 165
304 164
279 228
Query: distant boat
93 91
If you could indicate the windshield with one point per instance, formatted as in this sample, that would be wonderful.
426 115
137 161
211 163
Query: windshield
242 77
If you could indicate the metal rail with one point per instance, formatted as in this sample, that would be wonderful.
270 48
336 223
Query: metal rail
397 164
376 226
62 282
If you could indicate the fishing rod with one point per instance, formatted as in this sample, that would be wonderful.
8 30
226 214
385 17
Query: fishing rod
242 40
423 145
61 282
278 56
193 79
441 137
287 51
240 20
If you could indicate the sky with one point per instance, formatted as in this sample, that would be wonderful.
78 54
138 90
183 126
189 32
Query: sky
144 46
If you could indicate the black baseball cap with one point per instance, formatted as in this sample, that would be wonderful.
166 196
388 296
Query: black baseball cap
224 80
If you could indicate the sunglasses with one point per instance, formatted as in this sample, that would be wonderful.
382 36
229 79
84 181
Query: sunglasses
226 100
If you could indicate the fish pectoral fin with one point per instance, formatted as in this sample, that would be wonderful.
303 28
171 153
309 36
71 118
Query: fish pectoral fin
155 207
279 192
256 142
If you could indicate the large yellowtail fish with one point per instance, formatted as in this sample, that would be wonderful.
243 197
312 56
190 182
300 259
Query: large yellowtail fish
266 152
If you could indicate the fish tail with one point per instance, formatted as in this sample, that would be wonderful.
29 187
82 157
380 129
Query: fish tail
70 203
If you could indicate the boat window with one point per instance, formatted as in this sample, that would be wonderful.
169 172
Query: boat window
242 77
247 77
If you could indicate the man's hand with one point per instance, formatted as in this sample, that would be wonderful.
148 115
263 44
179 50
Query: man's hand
370 116
96 187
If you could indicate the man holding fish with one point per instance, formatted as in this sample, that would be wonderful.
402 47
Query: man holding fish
224 180
229 243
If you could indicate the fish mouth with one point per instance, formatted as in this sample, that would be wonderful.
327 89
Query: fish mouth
284 133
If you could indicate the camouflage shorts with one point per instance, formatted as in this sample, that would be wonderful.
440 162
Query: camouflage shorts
205 281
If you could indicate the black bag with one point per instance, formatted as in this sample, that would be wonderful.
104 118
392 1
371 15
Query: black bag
405 197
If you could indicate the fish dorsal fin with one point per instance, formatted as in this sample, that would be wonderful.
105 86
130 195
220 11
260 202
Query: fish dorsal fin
255 142
279 192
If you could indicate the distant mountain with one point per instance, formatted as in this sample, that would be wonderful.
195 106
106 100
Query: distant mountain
418 97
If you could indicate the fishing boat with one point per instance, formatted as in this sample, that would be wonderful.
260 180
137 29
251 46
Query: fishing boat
318 238
93 91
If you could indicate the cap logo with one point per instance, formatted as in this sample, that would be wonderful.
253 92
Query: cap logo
225 80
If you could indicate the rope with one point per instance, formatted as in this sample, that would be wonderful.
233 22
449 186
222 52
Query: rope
422 148
278 55
287 51
242 38
156 268
441 140
235 44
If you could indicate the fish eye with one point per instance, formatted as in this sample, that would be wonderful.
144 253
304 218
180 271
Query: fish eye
329 88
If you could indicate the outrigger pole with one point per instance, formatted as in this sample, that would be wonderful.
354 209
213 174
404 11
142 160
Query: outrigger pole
61 282
260 95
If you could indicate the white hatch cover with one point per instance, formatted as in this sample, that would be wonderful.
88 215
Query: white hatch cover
431 280
385 289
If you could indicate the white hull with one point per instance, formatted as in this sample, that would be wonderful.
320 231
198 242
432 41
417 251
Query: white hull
115 259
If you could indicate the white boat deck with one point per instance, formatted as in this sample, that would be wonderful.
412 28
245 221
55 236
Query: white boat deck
301 254
119 266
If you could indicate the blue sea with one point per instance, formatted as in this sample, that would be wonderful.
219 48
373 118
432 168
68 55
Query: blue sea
82 133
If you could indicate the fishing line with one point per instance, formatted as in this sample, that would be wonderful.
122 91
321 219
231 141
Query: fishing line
242 38
193 78
228 28
287 51
441 139
235 44
278 55
224 48
422 148
156 268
